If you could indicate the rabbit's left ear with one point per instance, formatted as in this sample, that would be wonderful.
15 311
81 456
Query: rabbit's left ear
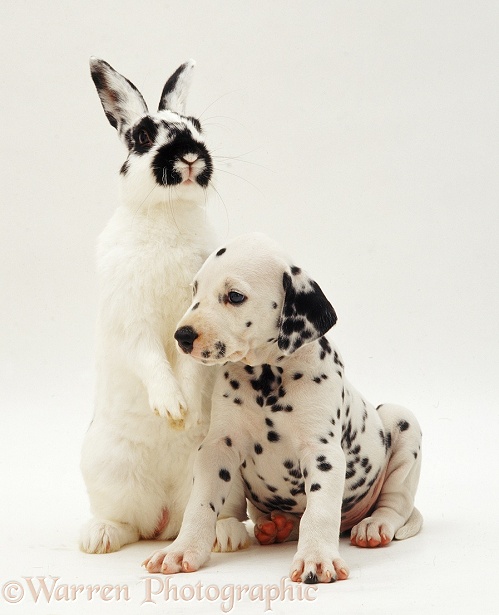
306 314
175 92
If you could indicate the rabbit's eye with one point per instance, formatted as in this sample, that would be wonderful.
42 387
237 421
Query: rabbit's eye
144 138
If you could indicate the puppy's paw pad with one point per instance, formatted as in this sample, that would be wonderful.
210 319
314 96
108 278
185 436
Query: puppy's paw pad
275 527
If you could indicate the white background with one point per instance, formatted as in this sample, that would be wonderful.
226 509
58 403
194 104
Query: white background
362 135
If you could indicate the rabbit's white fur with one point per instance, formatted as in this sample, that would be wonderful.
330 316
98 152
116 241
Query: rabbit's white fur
152 405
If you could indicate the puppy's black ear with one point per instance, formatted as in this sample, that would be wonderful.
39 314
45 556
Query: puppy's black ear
306 314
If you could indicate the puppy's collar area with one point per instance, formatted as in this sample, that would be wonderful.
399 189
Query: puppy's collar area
271 354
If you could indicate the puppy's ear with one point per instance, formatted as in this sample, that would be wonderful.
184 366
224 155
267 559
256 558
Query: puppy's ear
306 314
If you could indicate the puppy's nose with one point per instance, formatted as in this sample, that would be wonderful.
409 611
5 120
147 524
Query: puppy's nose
185 337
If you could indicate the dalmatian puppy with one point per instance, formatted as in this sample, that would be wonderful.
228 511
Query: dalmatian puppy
315 458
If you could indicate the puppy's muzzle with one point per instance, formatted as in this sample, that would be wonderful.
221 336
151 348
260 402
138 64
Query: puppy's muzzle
185 337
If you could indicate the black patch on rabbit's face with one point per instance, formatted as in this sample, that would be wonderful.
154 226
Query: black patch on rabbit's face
181 144
143 135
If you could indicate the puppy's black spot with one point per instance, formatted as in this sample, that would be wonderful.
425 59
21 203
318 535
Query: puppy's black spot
288 464
228 441
238 401
249 323
249 369
295 270
269 422
358 484
224 475
324 466
298 490
403 425
258 449
221 348
315 487
297 376
212 507
221 251
195 306
234 384
273 436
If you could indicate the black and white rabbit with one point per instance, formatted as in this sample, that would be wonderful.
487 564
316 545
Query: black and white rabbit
152 404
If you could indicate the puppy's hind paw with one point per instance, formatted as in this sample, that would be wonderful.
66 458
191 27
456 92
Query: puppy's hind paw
371 532
272 528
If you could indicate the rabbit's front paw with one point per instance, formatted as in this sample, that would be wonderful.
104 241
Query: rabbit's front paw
168 402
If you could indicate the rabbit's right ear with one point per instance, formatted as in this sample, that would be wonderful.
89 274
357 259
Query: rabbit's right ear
175 92
122 102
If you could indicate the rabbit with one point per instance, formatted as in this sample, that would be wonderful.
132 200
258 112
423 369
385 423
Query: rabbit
152 405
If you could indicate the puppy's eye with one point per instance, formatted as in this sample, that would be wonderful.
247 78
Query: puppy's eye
236 298
144 138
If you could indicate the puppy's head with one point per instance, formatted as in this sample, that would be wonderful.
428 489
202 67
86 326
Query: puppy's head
250 304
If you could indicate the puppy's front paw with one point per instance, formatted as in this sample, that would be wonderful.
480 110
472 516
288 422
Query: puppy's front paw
176 558
168 402
318 568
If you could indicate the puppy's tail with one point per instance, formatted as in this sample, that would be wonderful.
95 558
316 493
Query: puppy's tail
411 527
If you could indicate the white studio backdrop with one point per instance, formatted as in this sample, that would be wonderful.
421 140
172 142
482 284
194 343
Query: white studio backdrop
362 135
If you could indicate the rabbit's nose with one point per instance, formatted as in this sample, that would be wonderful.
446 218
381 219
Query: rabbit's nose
185 337
189 158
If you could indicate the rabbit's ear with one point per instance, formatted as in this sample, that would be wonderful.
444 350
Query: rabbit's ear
306 313
122 102
176 88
